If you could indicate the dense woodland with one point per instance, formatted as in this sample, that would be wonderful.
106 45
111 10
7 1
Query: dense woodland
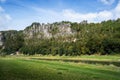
89 38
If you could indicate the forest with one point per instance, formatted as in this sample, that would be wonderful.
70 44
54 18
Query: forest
89 38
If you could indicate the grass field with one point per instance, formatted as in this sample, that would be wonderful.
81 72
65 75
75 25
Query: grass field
25 68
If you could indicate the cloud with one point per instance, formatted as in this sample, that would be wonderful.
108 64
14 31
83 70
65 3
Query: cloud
116 11
71 15
4 19
1 9
107 2
45 11
91 17
75 16
2 1
47 15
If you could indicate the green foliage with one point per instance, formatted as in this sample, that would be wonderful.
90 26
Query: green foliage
54 30
89 38
13 41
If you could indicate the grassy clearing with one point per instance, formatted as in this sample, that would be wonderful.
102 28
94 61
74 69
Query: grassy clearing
83 57
28 69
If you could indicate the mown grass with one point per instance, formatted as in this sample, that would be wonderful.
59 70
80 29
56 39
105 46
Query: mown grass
82 57
29 69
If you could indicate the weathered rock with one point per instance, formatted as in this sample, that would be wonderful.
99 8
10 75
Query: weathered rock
1 39
37 30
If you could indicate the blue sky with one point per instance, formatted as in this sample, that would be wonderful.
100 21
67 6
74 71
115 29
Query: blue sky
17 14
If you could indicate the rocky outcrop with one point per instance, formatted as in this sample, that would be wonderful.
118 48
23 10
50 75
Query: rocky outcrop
37 30
1 39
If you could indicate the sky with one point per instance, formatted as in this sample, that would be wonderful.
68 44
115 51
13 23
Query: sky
18 14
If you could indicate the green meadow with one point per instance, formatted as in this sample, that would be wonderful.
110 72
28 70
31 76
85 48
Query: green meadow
30 68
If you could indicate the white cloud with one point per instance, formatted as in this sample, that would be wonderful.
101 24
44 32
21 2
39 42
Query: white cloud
46 11
2 0
91 17
1 9
74 16
71 15
107 2
4 19
116 11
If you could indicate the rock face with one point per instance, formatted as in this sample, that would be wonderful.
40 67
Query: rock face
1 39
38 30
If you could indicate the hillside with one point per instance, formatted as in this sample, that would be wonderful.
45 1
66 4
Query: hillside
63 38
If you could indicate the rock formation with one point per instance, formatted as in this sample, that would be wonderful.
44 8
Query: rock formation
47 30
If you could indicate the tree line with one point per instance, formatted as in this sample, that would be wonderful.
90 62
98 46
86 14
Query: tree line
89 38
